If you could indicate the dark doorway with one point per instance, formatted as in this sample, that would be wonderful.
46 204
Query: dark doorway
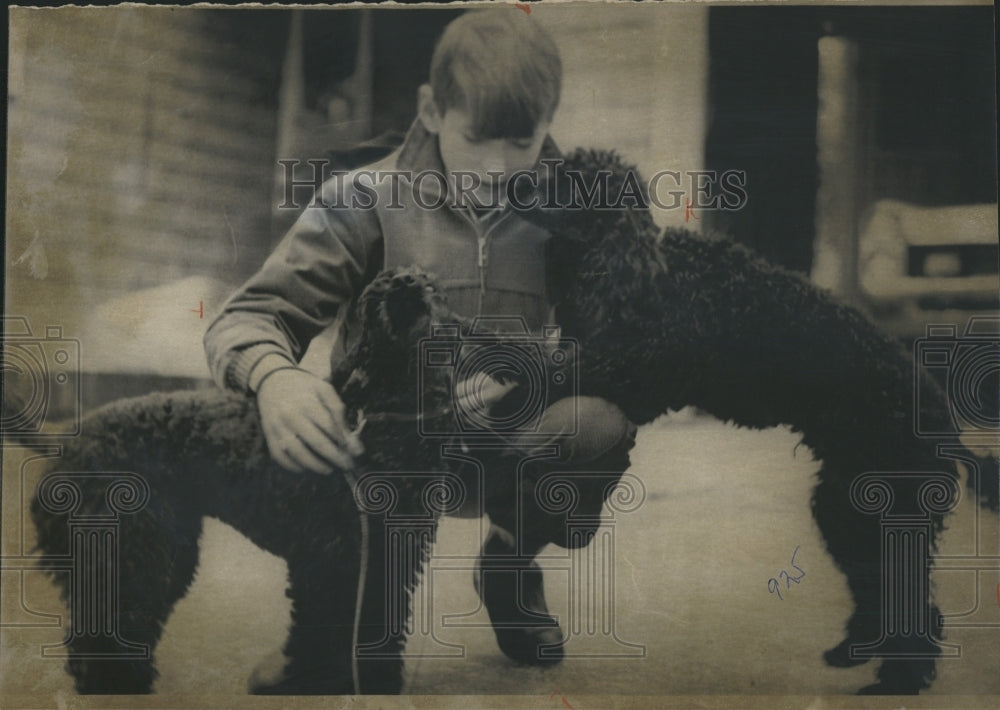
762 119
928 132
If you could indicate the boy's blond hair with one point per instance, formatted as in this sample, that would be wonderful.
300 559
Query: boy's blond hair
502 68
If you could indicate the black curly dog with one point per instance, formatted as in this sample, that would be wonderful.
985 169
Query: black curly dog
202 453
667 320
663 321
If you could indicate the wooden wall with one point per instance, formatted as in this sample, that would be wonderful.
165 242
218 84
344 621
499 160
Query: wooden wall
635 79
141 146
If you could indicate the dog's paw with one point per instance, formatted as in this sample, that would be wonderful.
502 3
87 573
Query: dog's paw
840 656
885 689
984 479
268 673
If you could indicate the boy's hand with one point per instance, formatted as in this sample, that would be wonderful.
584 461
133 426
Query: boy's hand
303 421
481 391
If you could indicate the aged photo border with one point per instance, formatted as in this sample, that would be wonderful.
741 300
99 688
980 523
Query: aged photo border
60 350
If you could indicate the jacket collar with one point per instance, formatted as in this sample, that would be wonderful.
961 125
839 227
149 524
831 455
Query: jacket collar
420 151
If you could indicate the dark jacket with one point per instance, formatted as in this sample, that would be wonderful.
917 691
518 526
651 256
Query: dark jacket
491 266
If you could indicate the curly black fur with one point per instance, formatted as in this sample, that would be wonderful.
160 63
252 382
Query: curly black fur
663 321
202 453
667 320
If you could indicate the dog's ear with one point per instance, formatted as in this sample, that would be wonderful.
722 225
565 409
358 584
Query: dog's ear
407 302
370 312
398 302
586 195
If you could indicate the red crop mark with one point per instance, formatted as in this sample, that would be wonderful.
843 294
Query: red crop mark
689 213
998 593
522 6
200 310
564 700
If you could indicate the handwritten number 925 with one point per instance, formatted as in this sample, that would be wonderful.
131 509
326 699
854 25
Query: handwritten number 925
774 585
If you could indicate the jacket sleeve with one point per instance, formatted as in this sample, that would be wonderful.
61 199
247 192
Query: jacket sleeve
324 260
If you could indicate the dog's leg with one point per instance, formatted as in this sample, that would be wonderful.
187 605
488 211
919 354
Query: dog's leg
395 557
848 536
157 564
854 541
318 651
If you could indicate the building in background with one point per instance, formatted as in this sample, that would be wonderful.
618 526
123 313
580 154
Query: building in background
144 146
869 139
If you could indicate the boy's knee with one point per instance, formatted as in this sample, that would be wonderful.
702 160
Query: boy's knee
587 429
603 430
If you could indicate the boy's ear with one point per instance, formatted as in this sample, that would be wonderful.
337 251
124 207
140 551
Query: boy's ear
427 109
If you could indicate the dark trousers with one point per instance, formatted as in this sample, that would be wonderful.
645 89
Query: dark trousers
548 485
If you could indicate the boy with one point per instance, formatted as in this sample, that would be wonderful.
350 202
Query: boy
494 86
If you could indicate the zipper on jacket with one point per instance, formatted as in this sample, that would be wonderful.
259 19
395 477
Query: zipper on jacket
482 272
483 240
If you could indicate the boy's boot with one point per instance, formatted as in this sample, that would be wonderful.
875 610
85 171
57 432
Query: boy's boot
511 588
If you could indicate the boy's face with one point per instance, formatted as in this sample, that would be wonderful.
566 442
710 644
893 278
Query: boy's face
461 150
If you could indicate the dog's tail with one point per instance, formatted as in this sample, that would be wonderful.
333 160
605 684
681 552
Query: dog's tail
38 441
15 428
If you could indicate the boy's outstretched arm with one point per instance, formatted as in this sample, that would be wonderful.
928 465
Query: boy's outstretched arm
303 421
264 328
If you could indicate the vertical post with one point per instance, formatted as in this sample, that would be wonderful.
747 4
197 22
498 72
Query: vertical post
291 100
364 73
838 152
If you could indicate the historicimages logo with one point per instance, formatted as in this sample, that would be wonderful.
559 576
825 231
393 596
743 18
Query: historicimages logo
314 184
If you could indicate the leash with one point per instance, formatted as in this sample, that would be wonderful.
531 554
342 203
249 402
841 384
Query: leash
362 578
402 417
352 482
